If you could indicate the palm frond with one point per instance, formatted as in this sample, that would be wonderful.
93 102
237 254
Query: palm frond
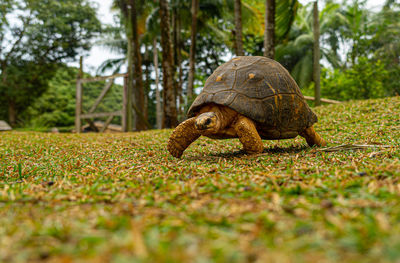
304 39
115 64
285 14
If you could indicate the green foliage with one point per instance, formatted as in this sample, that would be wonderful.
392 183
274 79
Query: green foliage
296 54
123 198
42 34
364 80
25 82
56 106
385 27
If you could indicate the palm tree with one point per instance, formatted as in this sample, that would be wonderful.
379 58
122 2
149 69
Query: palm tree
269 35
296 55
131 47
386 42
192 55
170 118
135 60
238 28
316 56
157 80
279 17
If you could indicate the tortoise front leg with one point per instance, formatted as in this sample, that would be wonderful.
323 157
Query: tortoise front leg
312 137
182 137
248 135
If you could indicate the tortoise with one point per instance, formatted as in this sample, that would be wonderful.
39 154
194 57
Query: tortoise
250 98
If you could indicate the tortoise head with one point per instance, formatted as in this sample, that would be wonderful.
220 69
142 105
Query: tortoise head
207 122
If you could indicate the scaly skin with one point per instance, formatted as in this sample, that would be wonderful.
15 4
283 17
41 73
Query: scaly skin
312 137
221 122
248 135
182 137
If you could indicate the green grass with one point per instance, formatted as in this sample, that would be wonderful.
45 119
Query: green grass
123 198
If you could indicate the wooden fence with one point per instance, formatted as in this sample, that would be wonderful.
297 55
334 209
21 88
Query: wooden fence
80 115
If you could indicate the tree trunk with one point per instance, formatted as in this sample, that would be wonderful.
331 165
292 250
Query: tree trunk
170 119
158 97
12 109
177 58
12 112
147 83
316 57
138 91
130 86
192 55
238 28
179 63
269 34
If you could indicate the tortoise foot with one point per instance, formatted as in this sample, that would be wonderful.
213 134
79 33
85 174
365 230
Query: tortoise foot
182 137
174 149
248 135
312 137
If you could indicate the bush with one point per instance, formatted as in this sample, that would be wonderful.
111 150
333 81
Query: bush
364 80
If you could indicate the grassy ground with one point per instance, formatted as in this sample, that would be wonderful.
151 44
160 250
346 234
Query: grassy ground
122 197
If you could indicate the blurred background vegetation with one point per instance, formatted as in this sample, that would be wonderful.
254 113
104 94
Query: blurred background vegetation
360 51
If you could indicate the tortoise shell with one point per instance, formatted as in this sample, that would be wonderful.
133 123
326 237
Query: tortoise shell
262 90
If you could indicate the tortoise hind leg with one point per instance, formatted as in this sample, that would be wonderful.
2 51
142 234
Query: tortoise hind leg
182 137
312 137
248 135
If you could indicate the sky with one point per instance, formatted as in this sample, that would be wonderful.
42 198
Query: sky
99 54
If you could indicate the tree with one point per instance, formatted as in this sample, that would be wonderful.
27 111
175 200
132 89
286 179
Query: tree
192 55
43 35
170 119
297 56
316 56
269 35
158 95
385 43
135 79
178 13
238 28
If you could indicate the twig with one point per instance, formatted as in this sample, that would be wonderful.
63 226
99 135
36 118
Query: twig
351 147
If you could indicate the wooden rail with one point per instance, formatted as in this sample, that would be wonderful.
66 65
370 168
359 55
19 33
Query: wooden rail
103 78
100 114
323 100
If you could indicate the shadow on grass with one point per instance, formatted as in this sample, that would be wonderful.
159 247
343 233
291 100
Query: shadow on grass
242 154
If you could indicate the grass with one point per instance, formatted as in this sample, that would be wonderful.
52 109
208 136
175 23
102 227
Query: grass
123 198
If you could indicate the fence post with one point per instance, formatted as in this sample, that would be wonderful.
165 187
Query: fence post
78 106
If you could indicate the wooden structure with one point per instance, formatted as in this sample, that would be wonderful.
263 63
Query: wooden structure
103 127
79 115
323 100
